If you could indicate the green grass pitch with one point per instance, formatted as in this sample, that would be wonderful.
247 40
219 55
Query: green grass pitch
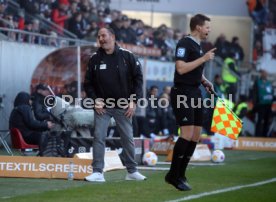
239 168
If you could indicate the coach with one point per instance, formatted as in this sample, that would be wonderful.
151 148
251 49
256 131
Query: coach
113 77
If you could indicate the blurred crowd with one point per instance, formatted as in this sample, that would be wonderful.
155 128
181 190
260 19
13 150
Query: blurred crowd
83 18
263 16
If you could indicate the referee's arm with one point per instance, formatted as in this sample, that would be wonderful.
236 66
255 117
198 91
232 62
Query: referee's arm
185 67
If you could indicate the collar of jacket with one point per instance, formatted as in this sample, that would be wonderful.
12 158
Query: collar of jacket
116 50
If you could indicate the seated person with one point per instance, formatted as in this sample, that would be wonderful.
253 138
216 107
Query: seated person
166 118
23 119
40 109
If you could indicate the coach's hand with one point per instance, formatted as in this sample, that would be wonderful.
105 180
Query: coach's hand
209 55
99 107
50 124
130 110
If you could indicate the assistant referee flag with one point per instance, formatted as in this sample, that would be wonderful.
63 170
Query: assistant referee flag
225 121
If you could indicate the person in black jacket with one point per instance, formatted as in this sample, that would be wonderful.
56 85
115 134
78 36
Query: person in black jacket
40 109
166 118
113 77
236 48
22 118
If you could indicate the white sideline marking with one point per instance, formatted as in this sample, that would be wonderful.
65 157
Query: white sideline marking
223 190
152 168
194 163
163 163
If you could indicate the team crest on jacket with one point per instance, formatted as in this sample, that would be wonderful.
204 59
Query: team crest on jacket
180 52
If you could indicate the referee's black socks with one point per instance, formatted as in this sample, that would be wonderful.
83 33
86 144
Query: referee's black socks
179 151
186 159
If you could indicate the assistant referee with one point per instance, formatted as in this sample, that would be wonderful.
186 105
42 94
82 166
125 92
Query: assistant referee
189 64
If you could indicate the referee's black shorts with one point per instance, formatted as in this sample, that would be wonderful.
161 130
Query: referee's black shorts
187 105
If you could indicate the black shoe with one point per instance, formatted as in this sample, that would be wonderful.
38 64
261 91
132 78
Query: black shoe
177 183
184 181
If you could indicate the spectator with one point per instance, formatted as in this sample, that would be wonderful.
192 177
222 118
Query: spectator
133 30
92 32
21 20
75 26
73 90
177 35
3 7
167 90
85 11
116 25
258 11
150 127
74 8
222 46
22 118
147 37
218 86
30 6
272 10
140 28
241 108
230 76
206 46
236 49
171 43
52 40
114 14
257 50
41 112
159 42
262 98
45 9
36 29
166 118
10 19
93 15
59 14
127 35
101 19
28 28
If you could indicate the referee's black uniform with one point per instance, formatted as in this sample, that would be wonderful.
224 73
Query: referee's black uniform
186 95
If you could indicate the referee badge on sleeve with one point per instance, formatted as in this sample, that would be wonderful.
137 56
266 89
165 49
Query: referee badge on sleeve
180 52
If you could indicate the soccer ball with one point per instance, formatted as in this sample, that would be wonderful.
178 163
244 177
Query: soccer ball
218 156
150 158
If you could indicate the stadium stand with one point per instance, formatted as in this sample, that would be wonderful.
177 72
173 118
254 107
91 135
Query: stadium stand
37 23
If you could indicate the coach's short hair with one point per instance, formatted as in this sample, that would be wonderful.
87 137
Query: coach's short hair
109 29
198 19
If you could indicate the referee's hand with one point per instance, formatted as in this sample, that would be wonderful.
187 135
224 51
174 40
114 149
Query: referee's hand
209 55
208 86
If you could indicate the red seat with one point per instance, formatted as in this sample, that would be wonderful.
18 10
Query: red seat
18 142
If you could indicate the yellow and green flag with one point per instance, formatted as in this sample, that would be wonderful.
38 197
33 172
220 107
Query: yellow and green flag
225 121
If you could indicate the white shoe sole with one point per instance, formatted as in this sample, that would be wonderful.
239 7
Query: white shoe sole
98 180
128 178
